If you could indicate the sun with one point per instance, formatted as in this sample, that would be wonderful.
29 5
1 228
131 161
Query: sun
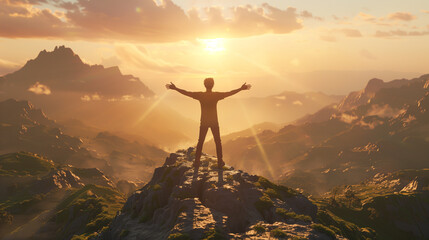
213 45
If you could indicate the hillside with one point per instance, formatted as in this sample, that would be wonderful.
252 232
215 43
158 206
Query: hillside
394 204
63 71
102 98
180 203
26 128
34 190
385 133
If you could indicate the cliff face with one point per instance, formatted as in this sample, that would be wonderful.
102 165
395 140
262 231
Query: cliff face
180 202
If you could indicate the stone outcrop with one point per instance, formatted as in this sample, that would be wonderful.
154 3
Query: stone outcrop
228 203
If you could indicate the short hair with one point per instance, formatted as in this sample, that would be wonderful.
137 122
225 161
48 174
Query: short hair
209 83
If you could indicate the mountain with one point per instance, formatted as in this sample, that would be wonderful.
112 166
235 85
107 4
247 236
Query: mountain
130 160
211 203
210 147
376 92
26 128
394 204
386 132
36 192
63 71
240 112
279 108
95 98
23 129
180 203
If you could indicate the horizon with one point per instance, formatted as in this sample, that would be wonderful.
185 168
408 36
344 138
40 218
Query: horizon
334 44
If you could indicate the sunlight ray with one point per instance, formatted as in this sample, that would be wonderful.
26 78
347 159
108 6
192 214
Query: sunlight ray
257 140
154 105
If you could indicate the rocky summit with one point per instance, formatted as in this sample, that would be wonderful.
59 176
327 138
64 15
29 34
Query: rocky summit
182 203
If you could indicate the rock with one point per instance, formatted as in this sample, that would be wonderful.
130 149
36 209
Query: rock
57 179
128 187
413 186
210 202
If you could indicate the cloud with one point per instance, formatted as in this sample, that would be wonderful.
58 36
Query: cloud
298 103
139 57
40 89
425 11
7 67
366 54
328 38
110 61
347 118
19 20
330 35
348 32
307 14
367 17
401 16
399 33
390 19
93 97
384 111
141 20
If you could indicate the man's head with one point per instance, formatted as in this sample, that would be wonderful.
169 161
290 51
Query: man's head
209 82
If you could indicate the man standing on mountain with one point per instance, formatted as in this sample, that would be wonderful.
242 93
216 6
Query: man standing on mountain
208 101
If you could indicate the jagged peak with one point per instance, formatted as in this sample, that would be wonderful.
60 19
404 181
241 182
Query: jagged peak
59 51
223 199
373 85
23 104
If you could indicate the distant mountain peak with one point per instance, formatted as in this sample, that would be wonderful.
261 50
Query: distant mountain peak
374 85
63 70
61 55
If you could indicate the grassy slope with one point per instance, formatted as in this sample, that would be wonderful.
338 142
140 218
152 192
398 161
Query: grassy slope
97 205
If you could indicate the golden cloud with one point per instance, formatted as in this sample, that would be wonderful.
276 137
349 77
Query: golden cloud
142 20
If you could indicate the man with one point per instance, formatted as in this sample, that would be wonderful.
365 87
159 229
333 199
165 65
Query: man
208 101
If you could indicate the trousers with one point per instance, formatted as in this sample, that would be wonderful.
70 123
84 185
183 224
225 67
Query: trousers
202 137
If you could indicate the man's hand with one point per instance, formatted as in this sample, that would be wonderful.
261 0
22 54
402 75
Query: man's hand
245 86
171 86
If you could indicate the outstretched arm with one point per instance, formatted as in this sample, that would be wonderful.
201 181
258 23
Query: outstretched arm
182 91
230 93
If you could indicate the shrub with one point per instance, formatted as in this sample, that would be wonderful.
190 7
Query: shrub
179 236
264 203
272 193
288 215
324 229
214 234
278 233
259 229
156 187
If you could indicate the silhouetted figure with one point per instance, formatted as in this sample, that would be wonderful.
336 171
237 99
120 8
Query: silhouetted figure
208 101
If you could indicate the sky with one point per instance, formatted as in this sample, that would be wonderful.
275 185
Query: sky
333 46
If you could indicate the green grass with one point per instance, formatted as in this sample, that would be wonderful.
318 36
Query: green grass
259 229
263 204
97 204
278 233
179 236
156 187
214 234
340 226
24 163
324 229
292 215
274 190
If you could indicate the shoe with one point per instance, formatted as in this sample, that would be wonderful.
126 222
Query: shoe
220 164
